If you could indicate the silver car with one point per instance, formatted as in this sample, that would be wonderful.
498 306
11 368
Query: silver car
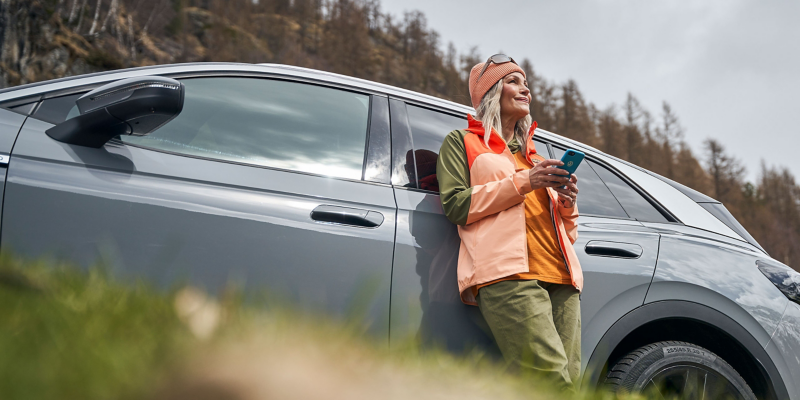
321 189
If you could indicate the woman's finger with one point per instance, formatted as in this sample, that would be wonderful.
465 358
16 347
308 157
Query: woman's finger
572 187
552 171
553 177
563 191
548 163
550 182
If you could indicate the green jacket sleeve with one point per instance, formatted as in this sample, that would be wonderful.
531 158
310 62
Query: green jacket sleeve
452 172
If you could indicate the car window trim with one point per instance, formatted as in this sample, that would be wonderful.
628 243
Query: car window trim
431 107
380 130
366 139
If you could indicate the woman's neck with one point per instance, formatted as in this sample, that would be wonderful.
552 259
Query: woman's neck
508 128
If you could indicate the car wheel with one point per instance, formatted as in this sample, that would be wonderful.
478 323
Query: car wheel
676 370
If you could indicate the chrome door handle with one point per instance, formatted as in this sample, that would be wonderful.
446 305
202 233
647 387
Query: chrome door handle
613 249
347 216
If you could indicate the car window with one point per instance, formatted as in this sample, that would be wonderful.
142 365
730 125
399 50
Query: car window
428 130
58 109
271 123
634 203
594 198
541 148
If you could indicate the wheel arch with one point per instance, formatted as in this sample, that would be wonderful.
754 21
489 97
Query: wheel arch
694 323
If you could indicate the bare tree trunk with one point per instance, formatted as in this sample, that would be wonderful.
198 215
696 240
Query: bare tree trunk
150 18
96 17
118 28
72 12
111 11
130 34
80 16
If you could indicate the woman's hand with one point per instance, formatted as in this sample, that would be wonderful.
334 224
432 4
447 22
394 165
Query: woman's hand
544 175
568 195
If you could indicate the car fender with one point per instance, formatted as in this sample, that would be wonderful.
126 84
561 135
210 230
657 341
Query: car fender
687 310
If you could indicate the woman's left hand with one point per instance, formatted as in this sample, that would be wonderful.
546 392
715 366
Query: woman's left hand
568 195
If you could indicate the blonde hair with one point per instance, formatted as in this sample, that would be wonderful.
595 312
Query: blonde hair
488 112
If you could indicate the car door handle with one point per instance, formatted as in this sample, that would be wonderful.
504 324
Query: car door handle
347 216
613 249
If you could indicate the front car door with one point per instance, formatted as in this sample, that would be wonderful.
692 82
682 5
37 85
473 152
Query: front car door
258 183
618 253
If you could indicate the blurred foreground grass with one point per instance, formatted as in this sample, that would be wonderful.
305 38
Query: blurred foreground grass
71 334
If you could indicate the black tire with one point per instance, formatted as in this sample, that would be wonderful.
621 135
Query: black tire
676 370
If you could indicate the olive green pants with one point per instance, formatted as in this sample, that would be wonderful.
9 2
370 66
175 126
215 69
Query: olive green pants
537 326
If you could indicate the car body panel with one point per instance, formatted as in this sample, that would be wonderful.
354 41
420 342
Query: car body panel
733 285
426 305
10 123
784 348
613 286
174 218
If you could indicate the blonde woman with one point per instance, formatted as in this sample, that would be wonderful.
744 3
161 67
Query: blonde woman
517 223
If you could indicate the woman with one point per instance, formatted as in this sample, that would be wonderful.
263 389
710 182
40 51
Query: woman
517 222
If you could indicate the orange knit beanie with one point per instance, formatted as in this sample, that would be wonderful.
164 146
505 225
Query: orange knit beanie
495 72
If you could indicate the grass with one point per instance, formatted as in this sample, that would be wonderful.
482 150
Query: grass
72 334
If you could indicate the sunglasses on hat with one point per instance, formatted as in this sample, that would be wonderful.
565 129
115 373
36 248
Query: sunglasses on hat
496 59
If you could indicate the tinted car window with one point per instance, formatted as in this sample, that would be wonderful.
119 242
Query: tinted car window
270 123
594 198
428 129
637 206
541 148
56 110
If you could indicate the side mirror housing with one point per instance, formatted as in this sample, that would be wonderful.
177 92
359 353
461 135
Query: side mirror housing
134 106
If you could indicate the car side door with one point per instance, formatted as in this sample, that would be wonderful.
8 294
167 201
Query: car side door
260 183
425 301
617 252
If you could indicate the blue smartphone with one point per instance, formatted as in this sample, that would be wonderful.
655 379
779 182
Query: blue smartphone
571 159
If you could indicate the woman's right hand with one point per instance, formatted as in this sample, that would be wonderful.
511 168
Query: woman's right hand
544 175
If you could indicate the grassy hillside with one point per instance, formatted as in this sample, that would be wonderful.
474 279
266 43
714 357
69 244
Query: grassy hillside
72 334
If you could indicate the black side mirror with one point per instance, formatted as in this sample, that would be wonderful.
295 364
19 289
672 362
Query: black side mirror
135 106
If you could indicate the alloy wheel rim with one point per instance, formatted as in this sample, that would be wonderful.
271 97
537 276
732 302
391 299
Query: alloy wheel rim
690 382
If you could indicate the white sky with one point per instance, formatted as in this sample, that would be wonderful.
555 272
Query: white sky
729 68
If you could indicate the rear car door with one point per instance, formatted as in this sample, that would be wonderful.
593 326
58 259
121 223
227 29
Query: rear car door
425 301
259 183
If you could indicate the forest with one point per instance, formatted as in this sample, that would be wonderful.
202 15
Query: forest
46 39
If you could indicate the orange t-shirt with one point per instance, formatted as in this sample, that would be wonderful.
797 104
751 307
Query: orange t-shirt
545 260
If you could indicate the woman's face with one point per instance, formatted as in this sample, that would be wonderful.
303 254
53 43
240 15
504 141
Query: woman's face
515 99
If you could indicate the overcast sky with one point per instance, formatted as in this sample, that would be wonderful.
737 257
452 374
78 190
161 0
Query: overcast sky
729 68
